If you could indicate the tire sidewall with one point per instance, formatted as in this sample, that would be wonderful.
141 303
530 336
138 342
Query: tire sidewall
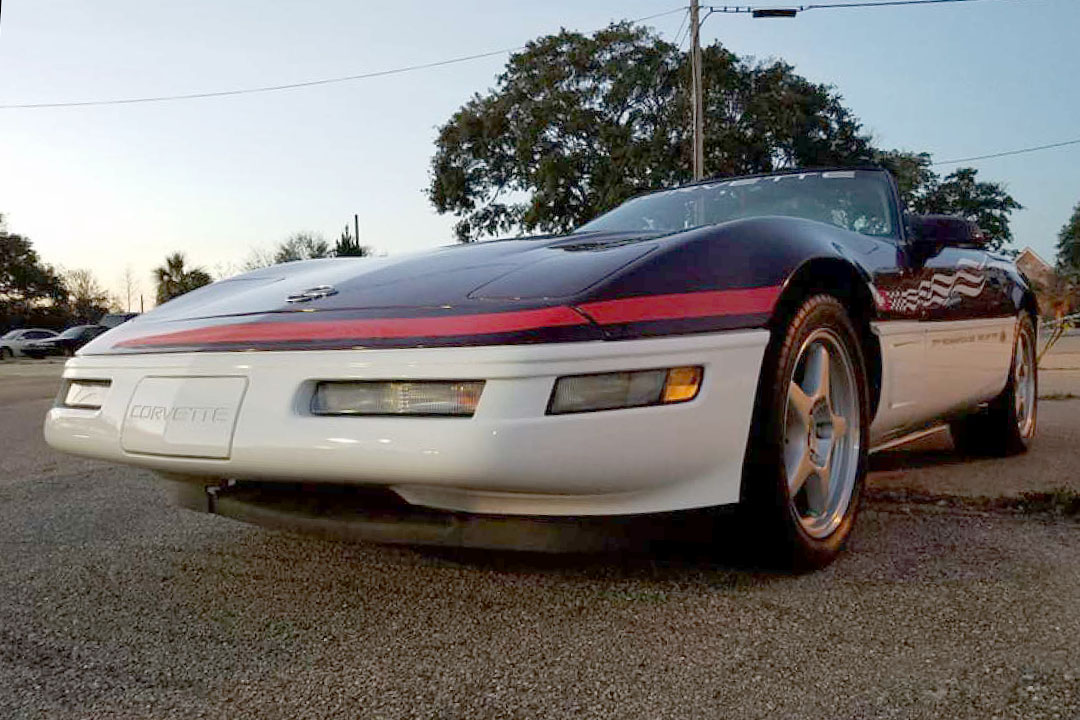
1024 326
765 483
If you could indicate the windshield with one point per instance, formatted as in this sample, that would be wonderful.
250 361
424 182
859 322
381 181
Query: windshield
75 331
10 334
856 200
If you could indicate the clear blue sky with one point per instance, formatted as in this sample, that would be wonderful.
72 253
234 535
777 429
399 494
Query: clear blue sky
108 187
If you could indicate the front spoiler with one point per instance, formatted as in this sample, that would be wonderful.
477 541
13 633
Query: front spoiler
372 515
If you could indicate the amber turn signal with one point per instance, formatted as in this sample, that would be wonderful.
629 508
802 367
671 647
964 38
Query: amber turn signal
682 384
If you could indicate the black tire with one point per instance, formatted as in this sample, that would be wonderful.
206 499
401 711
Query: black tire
770 507
999 429
6 354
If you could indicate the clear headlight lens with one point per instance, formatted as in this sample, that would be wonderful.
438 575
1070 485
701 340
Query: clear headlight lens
608 391
420 397
86 394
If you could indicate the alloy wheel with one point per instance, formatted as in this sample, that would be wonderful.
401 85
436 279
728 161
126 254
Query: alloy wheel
1024 384
822 434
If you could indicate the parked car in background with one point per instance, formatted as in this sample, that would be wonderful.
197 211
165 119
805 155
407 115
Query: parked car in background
12 343
66 343
113 319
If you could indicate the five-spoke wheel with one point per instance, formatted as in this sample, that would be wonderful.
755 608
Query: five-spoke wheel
821 434
807 454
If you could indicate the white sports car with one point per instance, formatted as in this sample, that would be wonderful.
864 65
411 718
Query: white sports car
737 341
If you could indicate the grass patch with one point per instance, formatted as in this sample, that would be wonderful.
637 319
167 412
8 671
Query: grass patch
1059 502
1062 502
1059 396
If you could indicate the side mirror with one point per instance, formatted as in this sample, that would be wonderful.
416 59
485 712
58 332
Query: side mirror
940 231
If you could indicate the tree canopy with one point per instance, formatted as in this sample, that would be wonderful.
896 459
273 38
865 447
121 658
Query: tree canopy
577 124
301 246
1068 246
87 299
349 246
29 288
174 278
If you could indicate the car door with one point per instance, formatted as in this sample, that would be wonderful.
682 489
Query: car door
969 328
902 338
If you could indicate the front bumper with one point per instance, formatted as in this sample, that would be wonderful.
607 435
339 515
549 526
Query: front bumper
509 458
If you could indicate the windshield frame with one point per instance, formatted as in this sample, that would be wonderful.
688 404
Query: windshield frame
892 200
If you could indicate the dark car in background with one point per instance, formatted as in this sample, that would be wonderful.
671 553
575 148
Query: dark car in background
113 319
66 343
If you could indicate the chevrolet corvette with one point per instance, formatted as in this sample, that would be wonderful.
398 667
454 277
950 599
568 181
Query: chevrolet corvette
742 341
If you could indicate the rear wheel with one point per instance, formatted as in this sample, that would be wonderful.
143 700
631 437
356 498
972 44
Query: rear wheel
1007 425
807 454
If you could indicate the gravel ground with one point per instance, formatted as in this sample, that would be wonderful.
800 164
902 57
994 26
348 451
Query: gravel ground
113 604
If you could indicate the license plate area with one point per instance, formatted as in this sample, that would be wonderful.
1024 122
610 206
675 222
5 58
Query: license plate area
183 416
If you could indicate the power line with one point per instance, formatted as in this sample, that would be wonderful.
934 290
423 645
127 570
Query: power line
1008 153
263 89
290 86
678 33
821 6
790 10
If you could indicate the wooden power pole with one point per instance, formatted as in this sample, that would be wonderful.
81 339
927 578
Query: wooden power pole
696 91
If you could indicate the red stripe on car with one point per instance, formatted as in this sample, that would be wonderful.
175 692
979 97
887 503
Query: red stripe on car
360 329
676 306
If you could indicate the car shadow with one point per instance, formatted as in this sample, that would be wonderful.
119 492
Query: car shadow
712 546
933 451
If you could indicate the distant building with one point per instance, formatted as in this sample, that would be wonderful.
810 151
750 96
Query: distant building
1035 267
1056 297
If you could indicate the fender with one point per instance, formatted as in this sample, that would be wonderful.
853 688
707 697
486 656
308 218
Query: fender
724 277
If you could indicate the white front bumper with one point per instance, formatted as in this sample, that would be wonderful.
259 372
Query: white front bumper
509 458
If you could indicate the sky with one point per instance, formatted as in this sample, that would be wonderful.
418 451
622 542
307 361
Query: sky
116 187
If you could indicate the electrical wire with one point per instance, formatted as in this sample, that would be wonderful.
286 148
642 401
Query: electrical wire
678 33
289 86
1007 153
824 6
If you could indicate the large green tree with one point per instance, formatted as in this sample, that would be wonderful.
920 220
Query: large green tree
922 190
174 278
29 288
986 203
577 124
1068 246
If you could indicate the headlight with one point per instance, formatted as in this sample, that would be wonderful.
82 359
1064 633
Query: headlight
420 397
608 391
86 394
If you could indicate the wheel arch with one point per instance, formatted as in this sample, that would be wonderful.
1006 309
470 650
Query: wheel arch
843 280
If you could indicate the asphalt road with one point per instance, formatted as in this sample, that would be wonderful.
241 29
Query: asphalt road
113 604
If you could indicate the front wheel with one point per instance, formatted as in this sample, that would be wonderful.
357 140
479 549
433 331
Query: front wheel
7 354
806 459
1007 425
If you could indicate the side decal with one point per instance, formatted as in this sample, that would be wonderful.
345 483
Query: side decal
969 280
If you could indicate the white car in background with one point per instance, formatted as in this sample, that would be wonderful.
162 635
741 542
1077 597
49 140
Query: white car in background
12 343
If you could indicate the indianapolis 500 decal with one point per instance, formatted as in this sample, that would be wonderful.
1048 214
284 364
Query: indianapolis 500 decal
941 290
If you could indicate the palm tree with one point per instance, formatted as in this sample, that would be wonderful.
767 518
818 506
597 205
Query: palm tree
174 279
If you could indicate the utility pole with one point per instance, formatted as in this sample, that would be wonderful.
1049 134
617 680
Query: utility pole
697 92
356 228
